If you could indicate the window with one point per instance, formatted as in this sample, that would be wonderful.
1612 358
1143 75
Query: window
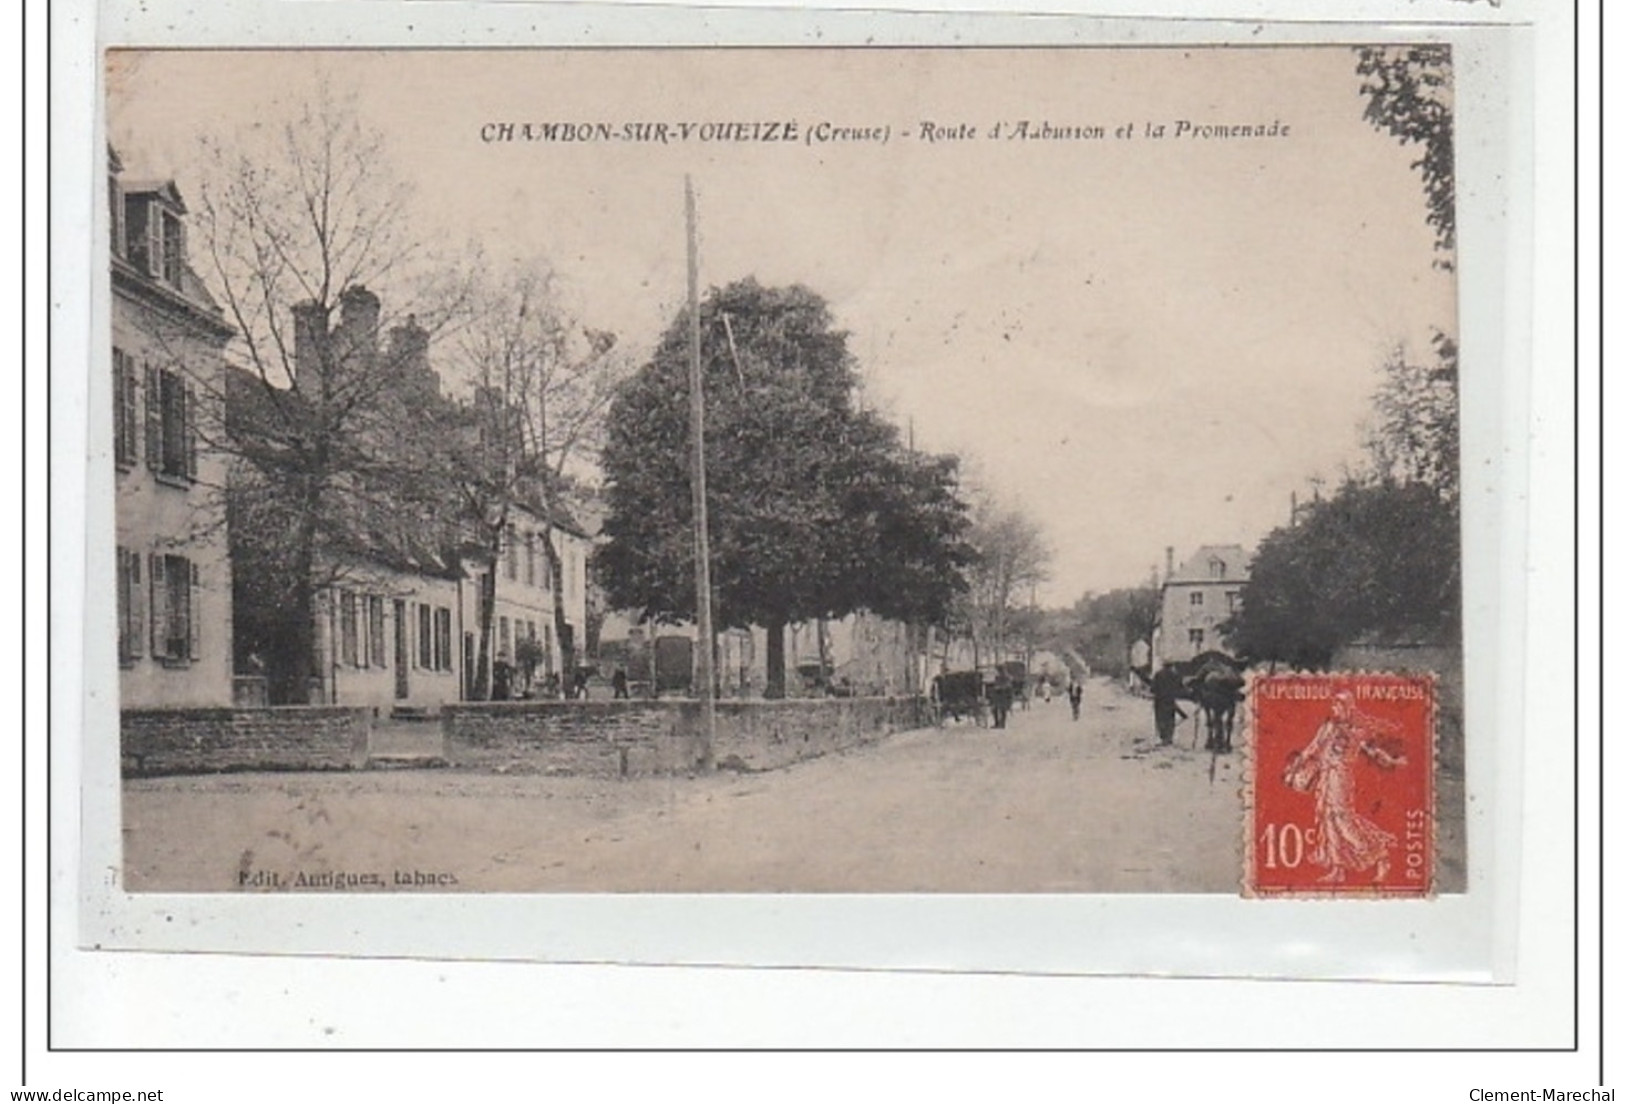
137 242
115 214
1233 600
1216 568
442 639
425 637
504 638
171 248
1196 597
512 543
154 238
530 559
171 583
375 630
171 436
131 607
348 651
126 430
1196 638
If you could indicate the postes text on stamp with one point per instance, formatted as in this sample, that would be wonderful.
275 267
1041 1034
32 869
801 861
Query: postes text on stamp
1340 787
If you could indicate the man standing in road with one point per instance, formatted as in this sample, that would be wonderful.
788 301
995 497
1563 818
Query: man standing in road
1001 695
1166 687
1074 694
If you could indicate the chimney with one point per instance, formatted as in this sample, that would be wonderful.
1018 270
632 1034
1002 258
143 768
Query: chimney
409 357
357 331
309 329
1168 558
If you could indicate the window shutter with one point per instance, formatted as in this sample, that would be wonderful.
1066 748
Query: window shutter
158 606
123 601
155 238
194 621
189 420
155 419
119 446
138 624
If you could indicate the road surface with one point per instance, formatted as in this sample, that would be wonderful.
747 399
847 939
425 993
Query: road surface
1047 805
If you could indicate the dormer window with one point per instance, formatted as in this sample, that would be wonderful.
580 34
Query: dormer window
1215 568
155 238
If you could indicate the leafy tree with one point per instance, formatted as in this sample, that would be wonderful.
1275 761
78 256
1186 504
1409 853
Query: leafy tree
1416 435
1408 94
815 509
1378 557
1102 628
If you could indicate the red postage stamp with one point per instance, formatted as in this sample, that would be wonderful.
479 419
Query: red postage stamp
1340 786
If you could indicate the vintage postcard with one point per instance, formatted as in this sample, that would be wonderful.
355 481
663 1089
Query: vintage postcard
783 470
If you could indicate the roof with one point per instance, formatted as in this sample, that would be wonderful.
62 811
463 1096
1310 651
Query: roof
162 188
1198 567
405 543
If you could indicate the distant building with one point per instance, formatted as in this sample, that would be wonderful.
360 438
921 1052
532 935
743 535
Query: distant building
1197 597
168 367
859 655
524 635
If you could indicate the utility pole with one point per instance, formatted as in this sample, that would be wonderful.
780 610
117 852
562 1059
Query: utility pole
702 541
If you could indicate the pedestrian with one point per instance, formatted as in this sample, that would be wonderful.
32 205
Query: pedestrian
1001 696
1166 688
581 684
1046 690
619 683
1074 694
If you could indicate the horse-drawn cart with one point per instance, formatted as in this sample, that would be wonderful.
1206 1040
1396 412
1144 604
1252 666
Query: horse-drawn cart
959 694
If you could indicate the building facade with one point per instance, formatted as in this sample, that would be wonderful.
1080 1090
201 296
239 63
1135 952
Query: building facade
524 636
1197 597
174 585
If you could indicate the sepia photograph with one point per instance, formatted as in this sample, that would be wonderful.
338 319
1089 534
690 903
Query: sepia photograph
797 470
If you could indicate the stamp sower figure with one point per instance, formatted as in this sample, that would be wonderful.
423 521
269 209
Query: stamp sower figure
1345 840
1074 694
1165 690
1001 695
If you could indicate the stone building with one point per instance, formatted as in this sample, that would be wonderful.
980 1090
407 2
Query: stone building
168 365
1197 597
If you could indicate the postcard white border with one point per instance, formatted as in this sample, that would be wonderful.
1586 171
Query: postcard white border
1471 938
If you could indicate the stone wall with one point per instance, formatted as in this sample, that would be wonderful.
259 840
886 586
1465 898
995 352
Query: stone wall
618 738
1420 658
200 741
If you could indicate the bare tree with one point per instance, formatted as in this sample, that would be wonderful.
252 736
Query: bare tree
300 225
1012 558
541 386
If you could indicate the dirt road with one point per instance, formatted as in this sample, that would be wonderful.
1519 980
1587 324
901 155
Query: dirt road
1046 805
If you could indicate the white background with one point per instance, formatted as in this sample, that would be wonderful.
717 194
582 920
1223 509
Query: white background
143 1000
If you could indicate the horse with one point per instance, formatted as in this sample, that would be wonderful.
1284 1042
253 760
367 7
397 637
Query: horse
1213 682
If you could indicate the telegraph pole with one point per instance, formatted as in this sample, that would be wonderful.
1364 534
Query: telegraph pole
705 672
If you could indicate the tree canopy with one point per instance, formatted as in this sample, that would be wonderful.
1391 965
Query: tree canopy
816 509
1408 94
1378 558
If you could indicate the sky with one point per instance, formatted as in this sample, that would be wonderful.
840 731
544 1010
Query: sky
1140 341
